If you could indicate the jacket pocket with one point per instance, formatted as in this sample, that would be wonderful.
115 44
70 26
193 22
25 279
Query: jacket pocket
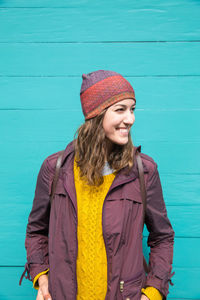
132 207
120 215
130 288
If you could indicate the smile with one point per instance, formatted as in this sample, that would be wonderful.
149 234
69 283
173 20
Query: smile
123 131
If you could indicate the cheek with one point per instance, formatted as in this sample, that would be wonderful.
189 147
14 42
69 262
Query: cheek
107 123
109 129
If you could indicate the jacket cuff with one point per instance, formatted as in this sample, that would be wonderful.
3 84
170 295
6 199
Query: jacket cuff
35 280
36 269
152 293
38 262
161 283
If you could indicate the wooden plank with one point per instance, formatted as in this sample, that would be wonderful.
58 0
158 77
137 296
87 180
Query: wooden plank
152 93
10 276
104 21
181 189
140 59
181 290
32 124
167 125
94 4
171 157
40 93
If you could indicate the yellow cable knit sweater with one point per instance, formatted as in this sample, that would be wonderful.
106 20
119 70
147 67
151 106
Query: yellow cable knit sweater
92 260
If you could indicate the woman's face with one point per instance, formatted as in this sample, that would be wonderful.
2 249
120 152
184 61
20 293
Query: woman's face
118 120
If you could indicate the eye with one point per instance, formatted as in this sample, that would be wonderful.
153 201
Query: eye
133 108
119 109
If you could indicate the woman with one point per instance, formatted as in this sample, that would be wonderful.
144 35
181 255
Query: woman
89 246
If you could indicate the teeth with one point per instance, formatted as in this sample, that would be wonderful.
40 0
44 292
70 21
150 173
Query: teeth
123 130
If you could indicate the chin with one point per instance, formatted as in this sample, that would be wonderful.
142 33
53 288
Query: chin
119 142
122 144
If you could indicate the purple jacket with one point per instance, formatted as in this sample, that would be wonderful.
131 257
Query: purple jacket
51 236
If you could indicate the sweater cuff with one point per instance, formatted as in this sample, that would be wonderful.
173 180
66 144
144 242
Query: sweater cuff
35 280
152 293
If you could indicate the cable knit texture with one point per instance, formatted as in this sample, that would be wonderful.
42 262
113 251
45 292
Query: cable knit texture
91 260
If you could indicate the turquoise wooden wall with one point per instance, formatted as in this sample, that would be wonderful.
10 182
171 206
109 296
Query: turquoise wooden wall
45 46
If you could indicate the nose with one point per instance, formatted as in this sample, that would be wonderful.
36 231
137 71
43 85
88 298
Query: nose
129 118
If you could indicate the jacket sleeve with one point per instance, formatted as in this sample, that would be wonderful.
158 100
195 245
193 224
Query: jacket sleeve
36 242
161 237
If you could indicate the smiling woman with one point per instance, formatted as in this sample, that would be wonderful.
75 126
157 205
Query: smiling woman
118 120
91 246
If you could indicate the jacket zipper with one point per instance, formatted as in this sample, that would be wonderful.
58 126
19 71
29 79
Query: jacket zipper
106 246
121 286
121 283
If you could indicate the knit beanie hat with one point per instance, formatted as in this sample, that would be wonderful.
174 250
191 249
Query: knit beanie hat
101 89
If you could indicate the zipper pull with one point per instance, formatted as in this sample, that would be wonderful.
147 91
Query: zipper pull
121 286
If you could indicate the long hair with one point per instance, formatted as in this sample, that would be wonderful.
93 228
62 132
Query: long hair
91 151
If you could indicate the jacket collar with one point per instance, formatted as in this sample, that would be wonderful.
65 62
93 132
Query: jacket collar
68 150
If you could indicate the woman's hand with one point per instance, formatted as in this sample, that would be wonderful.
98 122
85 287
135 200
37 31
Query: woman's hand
144 297
43 292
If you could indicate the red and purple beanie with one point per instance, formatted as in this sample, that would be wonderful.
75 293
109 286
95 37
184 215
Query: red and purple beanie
101 89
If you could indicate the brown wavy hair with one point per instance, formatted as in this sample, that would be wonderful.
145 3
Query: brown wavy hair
91 151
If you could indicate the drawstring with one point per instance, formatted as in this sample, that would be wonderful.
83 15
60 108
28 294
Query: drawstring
170 281
166 279
27 269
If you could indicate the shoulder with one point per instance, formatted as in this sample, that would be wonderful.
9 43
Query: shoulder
149 164
51 160
47 169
